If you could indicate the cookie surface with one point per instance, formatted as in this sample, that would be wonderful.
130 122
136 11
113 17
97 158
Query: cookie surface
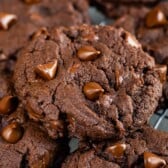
98 78
114 9
24 144
20 19
140 149
150 30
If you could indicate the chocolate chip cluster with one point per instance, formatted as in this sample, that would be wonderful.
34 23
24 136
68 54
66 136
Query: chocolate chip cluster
62 79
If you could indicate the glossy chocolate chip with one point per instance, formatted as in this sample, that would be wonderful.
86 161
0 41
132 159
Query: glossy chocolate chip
130 39
42 31
31 1
12 133
57 125
73 68
71 120
162 71
3 57
90 36
92 90
155 18
118 78
153 161
116 150
47 71
6 20
32 114
8 104
88 53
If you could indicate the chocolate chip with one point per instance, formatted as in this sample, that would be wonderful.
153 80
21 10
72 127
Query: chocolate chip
8 104
12 133
57 125
155 18
74 68
90 36
88 53
47 71
6 20
92 90
162 71
71 120
42 31
153 161
31 1
118 78
117 150
32 114
3 57
130 39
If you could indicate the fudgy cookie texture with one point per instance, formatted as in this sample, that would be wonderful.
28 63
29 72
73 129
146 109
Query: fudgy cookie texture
24 144
141 149
151 29
19 19
114 9
130 1
96 77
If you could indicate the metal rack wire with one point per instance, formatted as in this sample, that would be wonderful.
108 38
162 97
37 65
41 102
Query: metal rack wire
160 120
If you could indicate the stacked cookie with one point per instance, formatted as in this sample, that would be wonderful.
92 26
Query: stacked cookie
62 79
23 142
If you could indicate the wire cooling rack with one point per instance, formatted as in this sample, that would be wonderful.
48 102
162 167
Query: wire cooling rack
160 119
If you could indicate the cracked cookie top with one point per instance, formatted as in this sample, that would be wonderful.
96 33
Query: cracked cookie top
24 144
138 150
96 78
19 19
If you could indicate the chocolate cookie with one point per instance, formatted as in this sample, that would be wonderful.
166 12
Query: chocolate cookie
24 144
96 77
131 1
145 148
150 27
19 19
118 8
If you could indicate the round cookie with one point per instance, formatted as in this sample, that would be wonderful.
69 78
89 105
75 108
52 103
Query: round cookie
140 149
114 9
24 144
131 1
96 77
151 31
19 19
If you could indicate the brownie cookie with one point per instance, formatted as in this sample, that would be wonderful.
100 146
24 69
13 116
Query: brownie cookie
96 77
114 9
151 29
24 144
146 148
129 1
19 19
